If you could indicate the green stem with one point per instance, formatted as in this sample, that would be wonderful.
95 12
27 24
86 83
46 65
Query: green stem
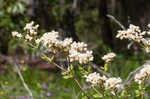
97 91
106 67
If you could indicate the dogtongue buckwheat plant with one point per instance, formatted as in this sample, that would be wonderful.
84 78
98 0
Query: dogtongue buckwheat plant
76 54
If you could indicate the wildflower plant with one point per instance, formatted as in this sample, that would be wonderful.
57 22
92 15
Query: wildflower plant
77 55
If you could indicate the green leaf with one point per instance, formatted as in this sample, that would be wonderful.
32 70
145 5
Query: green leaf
97 95
89 68
67 77
44 58
137 92
123 93
63 73
71 67
50 59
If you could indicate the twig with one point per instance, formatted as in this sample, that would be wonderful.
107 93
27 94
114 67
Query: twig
99 70
97 91
130 77
116 21
74 5
22 79
13 63
76 81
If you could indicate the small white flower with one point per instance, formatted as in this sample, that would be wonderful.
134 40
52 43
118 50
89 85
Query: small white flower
95 78
31 29
28 37
37 41
66 43
50 41
143 74
29 26
79 46
132 33
109 57
16 34
148 25
113 83
78 52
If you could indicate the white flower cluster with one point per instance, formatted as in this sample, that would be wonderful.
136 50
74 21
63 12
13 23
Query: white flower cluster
94 79
109 83
16 34
79 52
133 33
31 30
66 43
143 74
52 42
148 32
146 43
113 83
109 57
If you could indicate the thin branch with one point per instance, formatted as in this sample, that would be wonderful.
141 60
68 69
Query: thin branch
97 91
13 63
116 21
99 70
74 79
77 82
74 5
24 84
131 76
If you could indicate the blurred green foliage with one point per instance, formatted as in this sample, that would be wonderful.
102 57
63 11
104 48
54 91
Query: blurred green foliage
12 17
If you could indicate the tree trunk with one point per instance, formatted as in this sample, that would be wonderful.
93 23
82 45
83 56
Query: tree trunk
105 28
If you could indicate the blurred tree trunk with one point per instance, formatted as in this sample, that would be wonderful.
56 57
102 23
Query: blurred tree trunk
105 28
3 42
137 11
68 23
42 13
